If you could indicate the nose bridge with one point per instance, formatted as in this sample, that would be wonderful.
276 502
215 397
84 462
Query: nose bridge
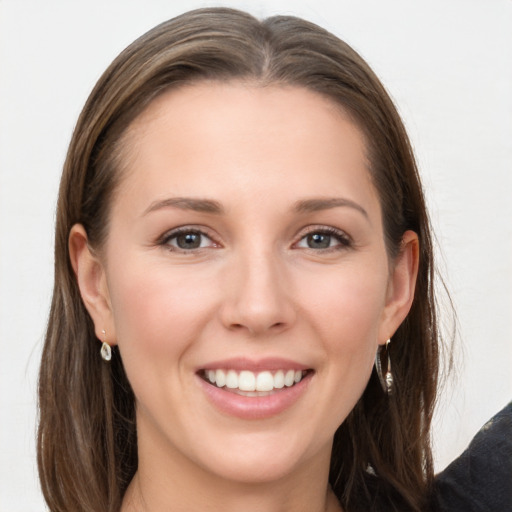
258 300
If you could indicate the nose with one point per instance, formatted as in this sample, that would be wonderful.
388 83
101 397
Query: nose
257 296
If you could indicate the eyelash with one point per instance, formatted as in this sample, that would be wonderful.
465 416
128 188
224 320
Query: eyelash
344 241
185 230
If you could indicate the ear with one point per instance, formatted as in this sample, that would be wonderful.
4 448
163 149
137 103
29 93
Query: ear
401 286
92 282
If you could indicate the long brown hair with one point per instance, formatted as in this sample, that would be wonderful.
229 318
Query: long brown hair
87 445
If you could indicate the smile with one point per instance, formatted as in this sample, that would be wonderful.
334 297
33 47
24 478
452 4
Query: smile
254 389
253 383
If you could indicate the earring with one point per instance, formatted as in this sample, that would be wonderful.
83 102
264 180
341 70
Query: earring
386 381
106 351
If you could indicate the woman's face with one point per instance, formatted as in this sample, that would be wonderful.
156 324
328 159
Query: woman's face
246 249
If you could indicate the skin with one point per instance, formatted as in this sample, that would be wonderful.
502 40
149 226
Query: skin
256 287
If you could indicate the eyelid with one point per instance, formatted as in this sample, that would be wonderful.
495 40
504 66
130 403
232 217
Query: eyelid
164 239
345 240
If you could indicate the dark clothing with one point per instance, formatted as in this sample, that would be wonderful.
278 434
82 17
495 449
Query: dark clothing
480 480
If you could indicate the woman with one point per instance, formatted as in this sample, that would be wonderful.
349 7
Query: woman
241 229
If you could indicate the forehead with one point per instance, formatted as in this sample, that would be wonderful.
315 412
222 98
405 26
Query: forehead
212 106
196 137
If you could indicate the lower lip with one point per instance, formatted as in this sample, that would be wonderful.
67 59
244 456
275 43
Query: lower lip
254 407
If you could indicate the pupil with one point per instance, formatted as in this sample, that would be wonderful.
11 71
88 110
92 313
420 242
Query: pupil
319 241
189 241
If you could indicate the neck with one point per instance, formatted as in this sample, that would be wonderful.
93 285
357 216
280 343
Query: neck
166 480
141 498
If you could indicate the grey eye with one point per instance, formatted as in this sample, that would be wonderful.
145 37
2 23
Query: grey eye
318 241
323 239
189 240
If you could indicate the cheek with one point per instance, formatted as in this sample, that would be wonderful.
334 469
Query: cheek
349 305
158 317
156 311
346 314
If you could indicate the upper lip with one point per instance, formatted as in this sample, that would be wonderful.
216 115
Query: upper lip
255 365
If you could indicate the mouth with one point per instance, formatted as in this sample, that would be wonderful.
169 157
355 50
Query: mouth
253 384
251 389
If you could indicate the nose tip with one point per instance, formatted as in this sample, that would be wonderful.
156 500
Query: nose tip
257 300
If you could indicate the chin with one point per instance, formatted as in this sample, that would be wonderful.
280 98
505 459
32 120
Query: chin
259 458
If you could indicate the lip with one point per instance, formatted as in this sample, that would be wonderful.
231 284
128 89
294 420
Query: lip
260 365
254 407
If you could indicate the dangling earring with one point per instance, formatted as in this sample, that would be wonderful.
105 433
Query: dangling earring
386 381
106 351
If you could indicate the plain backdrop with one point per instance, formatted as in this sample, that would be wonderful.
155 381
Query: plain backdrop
446 63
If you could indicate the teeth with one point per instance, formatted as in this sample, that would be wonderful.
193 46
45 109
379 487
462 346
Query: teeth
219 377
231 379
264 382
250 381
289 378
247 381
279 379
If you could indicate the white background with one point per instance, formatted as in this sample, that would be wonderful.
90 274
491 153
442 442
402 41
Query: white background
447 64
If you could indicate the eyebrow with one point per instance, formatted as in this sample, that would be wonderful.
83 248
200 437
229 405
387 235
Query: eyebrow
315 205
210 206
186 203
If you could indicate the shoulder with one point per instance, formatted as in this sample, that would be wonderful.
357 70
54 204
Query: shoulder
480 480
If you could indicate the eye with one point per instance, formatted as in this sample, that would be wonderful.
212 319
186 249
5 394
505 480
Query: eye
186 239
324 238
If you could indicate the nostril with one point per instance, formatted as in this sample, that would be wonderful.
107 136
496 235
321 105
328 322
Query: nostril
254 330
